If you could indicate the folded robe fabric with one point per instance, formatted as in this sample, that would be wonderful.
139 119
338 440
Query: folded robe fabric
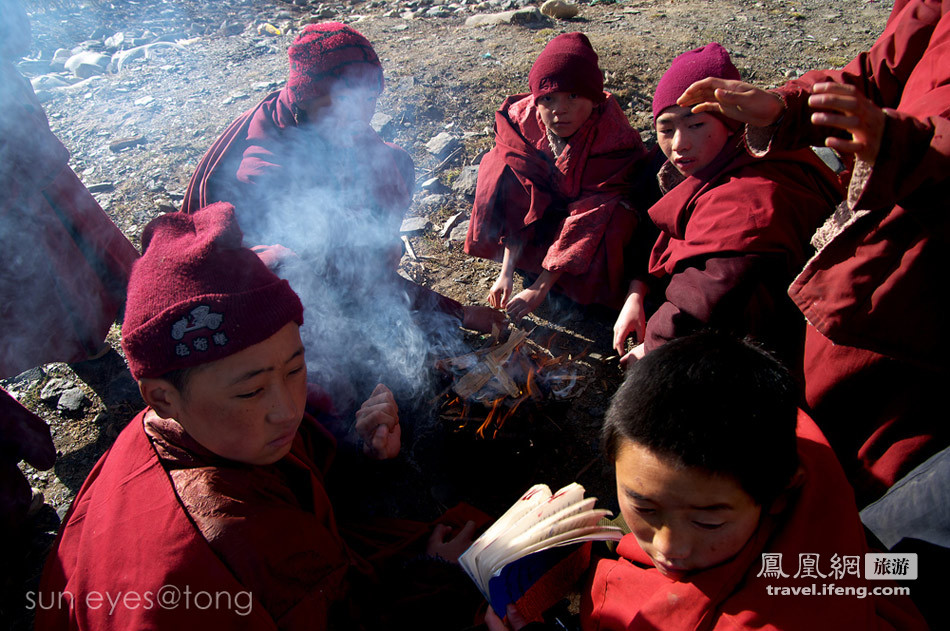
573 214
66 264
629 594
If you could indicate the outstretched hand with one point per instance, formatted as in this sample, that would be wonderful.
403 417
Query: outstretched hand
449 548
843 107
631 321
377 424
500 291
481 318
736 99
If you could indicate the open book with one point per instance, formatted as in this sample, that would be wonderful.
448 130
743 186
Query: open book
533 554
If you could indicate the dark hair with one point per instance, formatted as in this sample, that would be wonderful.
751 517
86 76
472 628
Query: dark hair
178 378
714 402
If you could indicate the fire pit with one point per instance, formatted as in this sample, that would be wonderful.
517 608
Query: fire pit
488 386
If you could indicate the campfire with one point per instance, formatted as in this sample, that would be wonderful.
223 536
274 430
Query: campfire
487 386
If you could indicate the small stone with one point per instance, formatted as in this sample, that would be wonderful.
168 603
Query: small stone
434 185
414 225
432 201
53 389
102 187
442 144
48 82
465 183
459 232
382 124
72 401
559 10
124 143
450 224
87 64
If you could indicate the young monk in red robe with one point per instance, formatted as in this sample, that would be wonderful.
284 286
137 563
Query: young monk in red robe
210 511
872 293
558 196
734 229
732 499
309 148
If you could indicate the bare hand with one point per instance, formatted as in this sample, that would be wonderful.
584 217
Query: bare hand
450 550
377 424
636 353
500 291
736 99
631 321
525 302
275 255
515 621
481 318
854 113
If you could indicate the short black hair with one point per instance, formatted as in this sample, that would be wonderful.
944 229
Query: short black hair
179 378
712 401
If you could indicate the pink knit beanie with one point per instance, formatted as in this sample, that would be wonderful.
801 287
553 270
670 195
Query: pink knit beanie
196 295
330 51
711 60
567 64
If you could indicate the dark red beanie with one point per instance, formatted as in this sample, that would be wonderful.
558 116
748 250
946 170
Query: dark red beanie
330 51
567 64
196 295
711 60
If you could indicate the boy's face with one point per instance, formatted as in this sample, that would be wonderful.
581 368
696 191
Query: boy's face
690 141
563 113
345 108
247 407
684 518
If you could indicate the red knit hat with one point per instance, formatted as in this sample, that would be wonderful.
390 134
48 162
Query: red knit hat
567 64
196 295
711 60
330 51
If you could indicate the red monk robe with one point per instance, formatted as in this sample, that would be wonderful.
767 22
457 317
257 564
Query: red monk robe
875 363
264 156
630 594
575 213
66 265
261 542
732 237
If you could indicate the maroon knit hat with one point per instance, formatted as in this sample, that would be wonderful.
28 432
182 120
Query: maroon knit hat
330 51
567 64
711 60
197 295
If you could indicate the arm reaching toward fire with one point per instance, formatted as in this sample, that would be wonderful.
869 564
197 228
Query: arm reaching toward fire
377 424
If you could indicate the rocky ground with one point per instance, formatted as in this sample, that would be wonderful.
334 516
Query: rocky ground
162 78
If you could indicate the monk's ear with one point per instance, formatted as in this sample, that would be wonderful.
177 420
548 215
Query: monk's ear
785 497
161 396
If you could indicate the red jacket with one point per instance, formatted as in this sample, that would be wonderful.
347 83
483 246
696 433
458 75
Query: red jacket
66 264
128 536
630 594
886 250
731 239
873 292
574 214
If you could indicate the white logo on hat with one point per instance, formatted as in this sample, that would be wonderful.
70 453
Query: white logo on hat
199 318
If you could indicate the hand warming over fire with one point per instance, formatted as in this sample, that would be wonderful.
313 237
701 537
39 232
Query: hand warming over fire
377 424
450 549
637 352
481 318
